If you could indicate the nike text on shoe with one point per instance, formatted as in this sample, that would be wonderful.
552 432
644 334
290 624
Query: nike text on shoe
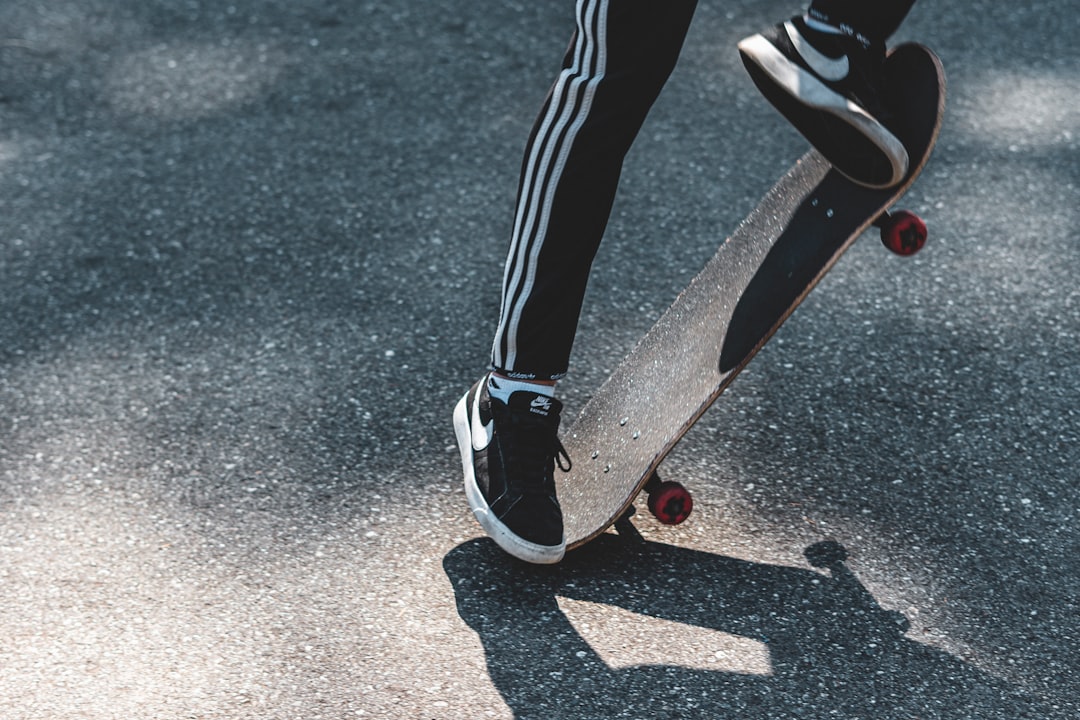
830 87
508 455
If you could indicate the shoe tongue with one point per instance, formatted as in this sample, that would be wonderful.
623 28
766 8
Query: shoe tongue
535 403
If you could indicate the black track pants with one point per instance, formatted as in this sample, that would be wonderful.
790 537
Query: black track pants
621 54
875 20
620 57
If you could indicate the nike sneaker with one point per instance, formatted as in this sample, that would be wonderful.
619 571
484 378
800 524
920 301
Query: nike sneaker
509 452
839 77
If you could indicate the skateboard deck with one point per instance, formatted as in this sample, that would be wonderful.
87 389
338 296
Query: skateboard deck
756 279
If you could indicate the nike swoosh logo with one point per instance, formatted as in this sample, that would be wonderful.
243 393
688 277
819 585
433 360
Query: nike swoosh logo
831 69
480 430
541 403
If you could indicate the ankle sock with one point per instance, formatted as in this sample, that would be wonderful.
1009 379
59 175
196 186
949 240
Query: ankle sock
502 388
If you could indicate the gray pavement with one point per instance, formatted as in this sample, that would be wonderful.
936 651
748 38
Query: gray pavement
249 257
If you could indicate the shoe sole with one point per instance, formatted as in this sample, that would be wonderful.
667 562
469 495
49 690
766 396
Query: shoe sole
800 90
503 536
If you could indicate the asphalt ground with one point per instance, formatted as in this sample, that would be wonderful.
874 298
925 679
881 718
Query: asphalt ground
249 259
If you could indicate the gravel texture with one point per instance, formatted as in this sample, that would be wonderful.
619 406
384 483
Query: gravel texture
249 259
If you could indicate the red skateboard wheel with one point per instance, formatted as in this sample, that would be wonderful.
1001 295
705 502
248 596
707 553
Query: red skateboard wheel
903 232
670 502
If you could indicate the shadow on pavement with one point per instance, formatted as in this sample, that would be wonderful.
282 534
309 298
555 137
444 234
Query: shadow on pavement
834 652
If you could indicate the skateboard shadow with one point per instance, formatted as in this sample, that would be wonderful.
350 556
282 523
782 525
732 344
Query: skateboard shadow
833 651
789 268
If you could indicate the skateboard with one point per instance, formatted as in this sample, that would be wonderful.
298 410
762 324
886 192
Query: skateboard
753 283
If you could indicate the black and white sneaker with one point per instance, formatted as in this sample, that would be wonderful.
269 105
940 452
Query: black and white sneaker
839 77
508 454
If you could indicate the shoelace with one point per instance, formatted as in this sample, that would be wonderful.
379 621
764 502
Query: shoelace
560 455
533 444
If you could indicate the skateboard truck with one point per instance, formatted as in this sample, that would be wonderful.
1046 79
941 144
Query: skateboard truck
668 501
902 231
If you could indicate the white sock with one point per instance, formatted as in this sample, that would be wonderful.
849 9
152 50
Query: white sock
502 388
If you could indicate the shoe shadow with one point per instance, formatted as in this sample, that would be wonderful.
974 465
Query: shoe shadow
833 651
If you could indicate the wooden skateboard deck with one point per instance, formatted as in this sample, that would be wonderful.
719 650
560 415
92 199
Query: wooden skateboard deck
729 311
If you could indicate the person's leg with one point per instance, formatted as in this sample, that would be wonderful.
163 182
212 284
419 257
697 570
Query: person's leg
622 54
619 59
